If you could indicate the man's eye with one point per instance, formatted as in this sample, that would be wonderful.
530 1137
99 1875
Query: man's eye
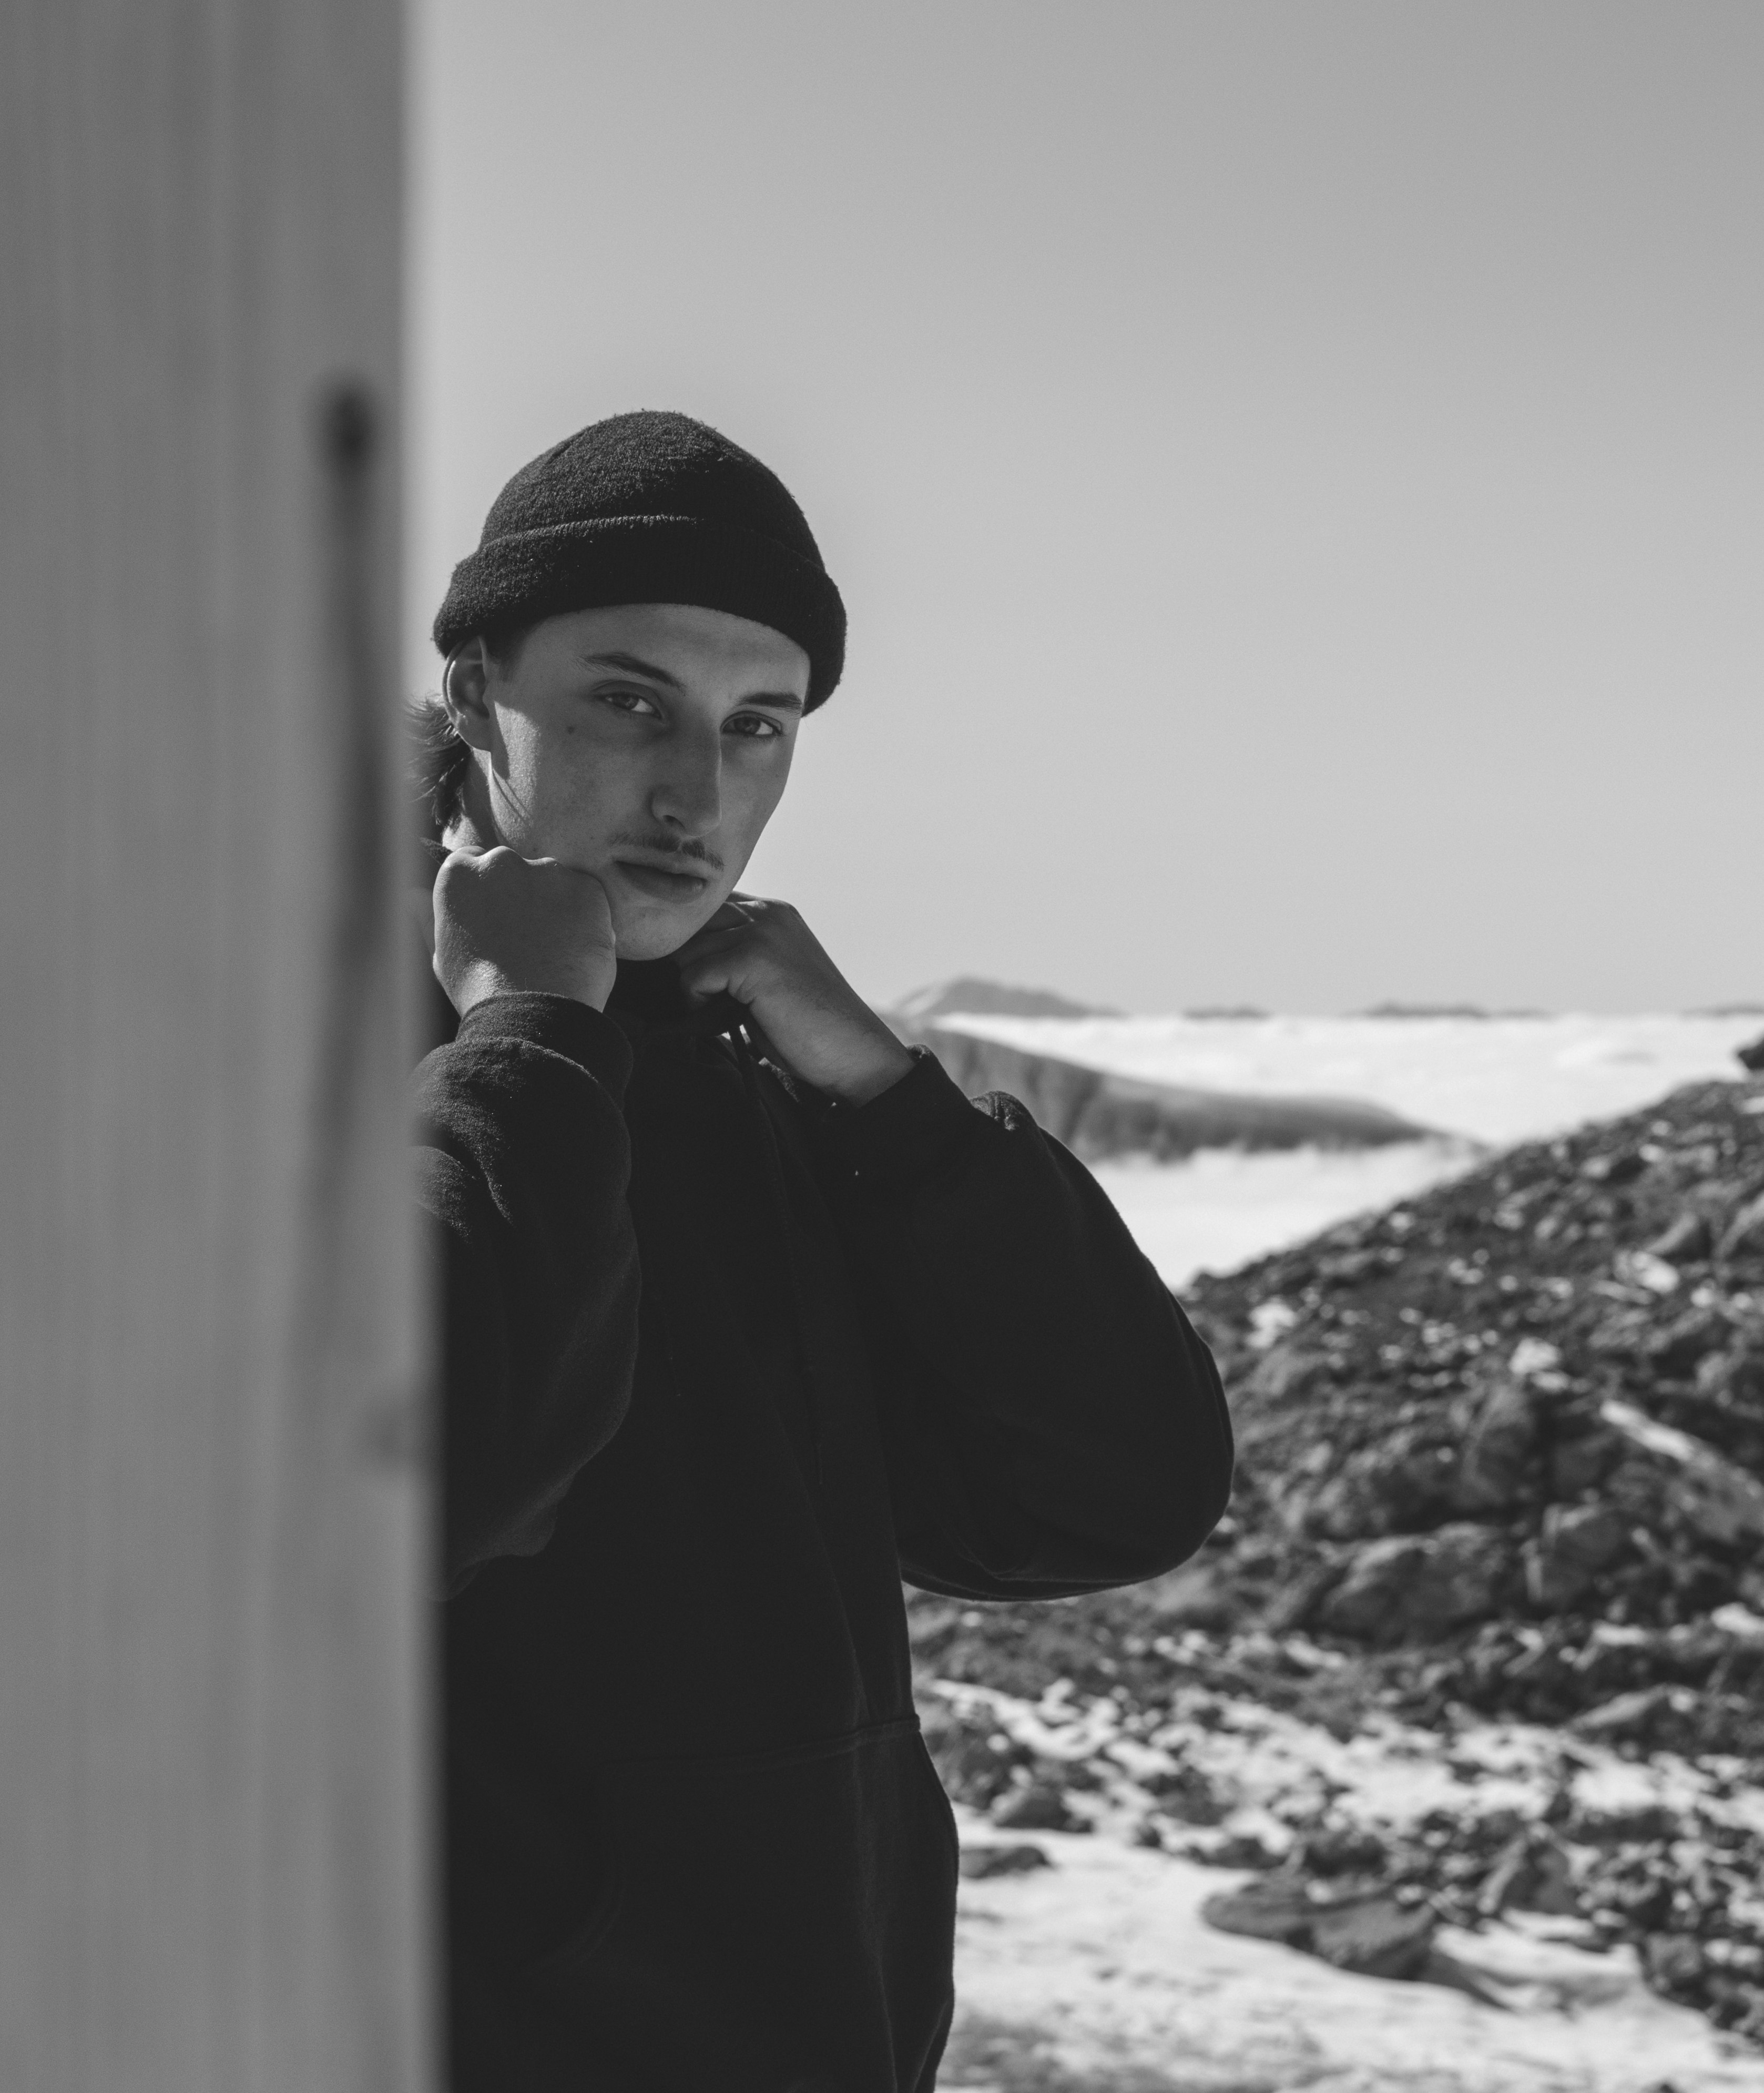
626 701
755 725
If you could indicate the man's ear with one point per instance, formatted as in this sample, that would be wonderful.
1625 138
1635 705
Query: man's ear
465 693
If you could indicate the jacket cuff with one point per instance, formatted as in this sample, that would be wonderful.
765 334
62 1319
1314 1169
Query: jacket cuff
913 1128
558 1024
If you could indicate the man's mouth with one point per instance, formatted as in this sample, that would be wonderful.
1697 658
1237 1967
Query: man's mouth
662 883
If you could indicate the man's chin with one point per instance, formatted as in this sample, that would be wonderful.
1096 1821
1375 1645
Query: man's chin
658 933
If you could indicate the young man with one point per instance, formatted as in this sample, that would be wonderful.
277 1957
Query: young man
732 1344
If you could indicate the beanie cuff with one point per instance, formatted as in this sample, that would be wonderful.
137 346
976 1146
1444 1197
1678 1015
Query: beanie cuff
597 563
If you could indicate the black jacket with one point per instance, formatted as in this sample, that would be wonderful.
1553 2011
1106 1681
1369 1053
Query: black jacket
723 1362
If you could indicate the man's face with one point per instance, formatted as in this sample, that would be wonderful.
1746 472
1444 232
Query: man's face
647 744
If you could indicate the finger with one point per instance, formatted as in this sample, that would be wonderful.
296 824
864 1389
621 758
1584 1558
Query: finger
711 943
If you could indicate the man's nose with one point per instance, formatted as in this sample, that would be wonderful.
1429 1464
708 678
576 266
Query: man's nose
688 796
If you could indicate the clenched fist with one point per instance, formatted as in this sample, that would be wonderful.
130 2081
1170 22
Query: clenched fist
810 1017
505 923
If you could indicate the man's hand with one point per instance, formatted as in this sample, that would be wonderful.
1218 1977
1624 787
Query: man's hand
812 1021
504 924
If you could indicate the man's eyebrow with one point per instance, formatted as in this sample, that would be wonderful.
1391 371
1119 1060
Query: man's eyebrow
633 665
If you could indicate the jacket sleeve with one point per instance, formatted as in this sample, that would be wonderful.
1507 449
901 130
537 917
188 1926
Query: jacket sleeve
523 1164
1053 1423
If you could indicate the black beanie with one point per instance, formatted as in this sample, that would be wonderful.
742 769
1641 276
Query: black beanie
649 508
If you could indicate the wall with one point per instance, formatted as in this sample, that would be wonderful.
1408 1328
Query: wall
212 1496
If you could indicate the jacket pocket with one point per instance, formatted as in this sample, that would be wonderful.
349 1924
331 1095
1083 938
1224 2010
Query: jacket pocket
778 1923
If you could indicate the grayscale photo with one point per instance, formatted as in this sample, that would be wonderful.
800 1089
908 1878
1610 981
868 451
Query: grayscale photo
883 1204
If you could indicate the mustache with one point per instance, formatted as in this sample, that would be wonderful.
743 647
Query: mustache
666 846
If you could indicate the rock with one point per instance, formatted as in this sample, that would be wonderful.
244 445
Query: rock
1230 1849
1625 1824
1633 1717
1409 1481
1421 1584
1342 1849
1199 1595
1744 1238
1186 1794
1278 1908
1752 1058
1676 1352
1687 1241
1285 1372
1370 1933
1735 1378
1716 1499
1740 1622
1577 1541
1642 1268
1581 1459
1674 1962
1533 1874
975 1762
1418 1475
1553 1583
1621 1334
1502 1443
1041 1806
1374 1935
1620 1166
1591 1535
979 1863
1349 1267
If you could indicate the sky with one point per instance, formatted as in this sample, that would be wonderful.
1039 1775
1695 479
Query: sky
1295 472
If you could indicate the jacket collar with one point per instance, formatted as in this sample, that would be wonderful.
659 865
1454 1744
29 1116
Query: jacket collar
648 1003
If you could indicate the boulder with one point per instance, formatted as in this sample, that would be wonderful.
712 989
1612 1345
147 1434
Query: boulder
1502 1443
1752 1058
1284 1373
978 1863
1424 1584
1374 1935
1582 1458
1421 1475
1369 1931
1277 1907
1699 1487
1041 1806
1577 1542
1553 1584
1591 1535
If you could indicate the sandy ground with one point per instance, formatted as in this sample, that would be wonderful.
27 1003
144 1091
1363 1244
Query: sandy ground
1098 1975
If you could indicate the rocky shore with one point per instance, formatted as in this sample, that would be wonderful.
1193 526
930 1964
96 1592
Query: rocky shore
1483 1639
